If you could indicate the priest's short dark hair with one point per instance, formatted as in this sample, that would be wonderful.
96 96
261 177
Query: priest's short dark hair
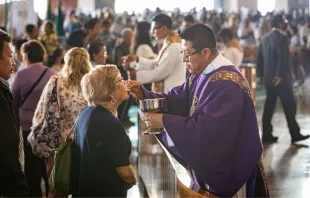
201 36
163 19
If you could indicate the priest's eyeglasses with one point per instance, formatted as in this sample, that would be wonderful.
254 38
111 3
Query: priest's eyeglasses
185 55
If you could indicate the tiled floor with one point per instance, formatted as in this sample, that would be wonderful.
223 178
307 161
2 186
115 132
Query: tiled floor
287 166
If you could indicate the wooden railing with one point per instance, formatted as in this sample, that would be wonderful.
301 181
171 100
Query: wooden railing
162 175
249 71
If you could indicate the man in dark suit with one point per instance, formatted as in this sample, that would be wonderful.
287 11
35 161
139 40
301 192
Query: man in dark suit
274 67
12 179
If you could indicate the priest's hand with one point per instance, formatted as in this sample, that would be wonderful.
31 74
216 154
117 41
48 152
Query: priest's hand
135 88
129 58
154 120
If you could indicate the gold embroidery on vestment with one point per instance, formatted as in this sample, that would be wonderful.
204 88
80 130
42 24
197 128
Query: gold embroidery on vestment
193 107
172 38
263 174
232 76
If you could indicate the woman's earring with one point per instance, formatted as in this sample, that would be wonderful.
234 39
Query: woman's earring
113 101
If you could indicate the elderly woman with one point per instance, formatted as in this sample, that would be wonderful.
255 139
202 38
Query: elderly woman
101 165
26 89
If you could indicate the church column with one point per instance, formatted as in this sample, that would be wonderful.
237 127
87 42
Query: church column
219 4
6 13
290 5
103 3
88 6
235 5
298 4
231 6
282 5
251 4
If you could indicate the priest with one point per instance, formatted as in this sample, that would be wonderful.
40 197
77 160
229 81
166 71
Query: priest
210 121
167 70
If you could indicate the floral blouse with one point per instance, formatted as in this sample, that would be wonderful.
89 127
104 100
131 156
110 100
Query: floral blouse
70 100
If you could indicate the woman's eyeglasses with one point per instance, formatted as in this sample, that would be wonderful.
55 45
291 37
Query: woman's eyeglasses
120 80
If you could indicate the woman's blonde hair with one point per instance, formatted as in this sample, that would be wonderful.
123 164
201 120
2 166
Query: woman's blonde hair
77 64
99 84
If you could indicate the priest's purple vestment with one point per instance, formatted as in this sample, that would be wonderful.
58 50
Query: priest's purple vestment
212 123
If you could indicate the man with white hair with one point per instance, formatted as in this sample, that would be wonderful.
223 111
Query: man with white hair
123 50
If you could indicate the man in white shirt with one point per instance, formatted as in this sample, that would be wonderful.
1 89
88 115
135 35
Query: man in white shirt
167 70
304 32
233 50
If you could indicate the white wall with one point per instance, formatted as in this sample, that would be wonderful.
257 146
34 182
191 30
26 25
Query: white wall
265 6
86 6
282 5
252 4
103 3
140 5
232 5
20 14
235 5
2 15
40 6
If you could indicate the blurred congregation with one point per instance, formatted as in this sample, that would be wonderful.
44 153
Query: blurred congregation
76 59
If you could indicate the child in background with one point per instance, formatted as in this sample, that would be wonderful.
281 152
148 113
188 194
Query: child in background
49 38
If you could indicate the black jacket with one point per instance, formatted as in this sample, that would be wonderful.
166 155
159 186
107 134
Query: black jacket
274 59
12 179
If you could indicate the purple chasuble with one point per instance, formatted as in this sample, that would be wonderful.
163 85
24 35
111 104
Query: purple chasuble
212 122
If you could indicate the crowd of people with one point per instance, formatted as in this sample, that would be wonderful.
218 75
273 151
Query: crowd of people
53 81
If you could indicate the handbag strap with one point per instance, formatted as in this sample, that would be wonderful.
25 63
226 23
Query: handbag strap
33 86
73 128
57 92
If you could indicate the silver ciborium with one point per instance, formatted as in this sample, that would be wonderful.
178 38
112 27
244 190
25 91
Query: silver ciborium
152 105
